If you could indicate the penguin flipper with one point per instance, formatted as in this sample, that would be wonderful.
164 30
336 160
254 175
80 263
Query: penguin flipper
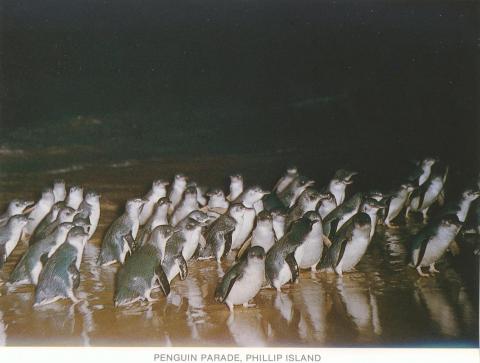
343 246
292 264
182 265
162 280
228 280
333 227
75 275
228 243
44 258
421 253
441 198
130 241
3 255
244 248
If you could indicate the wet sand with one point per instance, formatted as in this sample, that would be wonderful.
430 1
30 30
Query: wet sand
383 303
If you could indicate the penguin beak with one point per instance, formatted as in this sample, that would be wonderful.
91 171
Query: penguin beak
29 208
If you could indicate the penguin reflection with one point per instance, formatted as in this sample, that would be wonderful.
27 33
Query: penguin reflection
246 328
3 331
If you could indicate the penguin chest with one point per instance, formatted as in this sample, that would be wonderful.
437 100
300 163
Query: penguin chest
146 212
436 247
312 250
432 193
244 229
246 287
284 276
191 245
264 239
353 253
94 218
396 205
279 229
35 272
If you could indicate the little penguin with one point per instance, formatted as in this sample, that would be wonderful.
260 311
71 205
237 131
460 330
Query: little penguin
61 274
65 214
461 205
280 263
339 183
180 248
59 190
217 201
201 191
397 202
236 187
243 228
75 197
429 245
159 217
158 191
121 234
263 234
89 209
278 220
40 210
30 265
307 201
348 245
243 280
188 204
16 206
252 198
142 271
10 235
310 252
286 179
326 204
176 191
422 171
430 191
289 195
219 234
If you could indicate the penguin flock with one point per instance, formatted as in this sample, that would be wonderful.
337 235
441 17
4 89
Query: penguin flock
270 235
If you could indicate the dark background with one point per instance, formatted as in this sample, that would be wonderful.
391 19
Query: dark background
386 81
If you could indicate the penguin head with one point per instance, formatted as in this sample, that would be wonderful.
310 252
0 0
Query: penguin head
371 205
180 181
48 196
199 216
254 194
66 214
216 193
79 221
236 179
309 196
64 227
159 185
161 234
237 210
190 193
278 214
59 183
77 237
408 186
313 216
18 221
264 216
375 194
17 206
362 221
134 206
303 181
327 198
193 224
76 190
344 176
92 197
428 162
256 253
450 221
470 194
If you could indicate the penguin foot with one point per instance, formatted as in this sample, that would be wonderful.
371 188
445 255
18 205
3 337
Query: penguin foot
432 269
421 273
230 307
247 305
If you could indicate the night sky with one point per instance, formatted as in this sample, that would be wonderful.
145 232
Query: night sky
387 78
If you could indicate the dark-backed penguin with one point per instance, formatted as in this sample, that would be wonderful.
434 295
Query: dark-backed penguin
429 245
158 191
339 183
16 206
250 196
461 205
188 204
75 197
90 209
121 234
143 271
65 214
30 265
159 217
236 187
428 193
40 210
176 191
307 201
397 202
348 245
279 217
243 280
422 171
326 204
60 275
59 190
10 235
219 233
290 194
286 179
180 248
280 263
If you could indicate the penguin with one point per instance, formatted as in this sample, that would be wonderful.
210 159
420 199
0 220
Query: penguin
75 197
263 234
397 202
176 192
59 190
371 207
28 268
339 183
65 214
278 221
429 192
60 275
188 204
337 217
121 234
197 215
431 242
348 245
422 171
243 228
286 179
219 234
201 199
180 248
243 280
461 206
10 235
40 210
326 204
79 221
217 201
142 271
236 187
307 201
310 252
159 217
289 195
16 206
280 263
89 208
252 198
158 191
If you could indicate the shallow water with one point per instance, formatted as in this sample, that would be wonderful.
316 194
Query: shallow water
383 303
